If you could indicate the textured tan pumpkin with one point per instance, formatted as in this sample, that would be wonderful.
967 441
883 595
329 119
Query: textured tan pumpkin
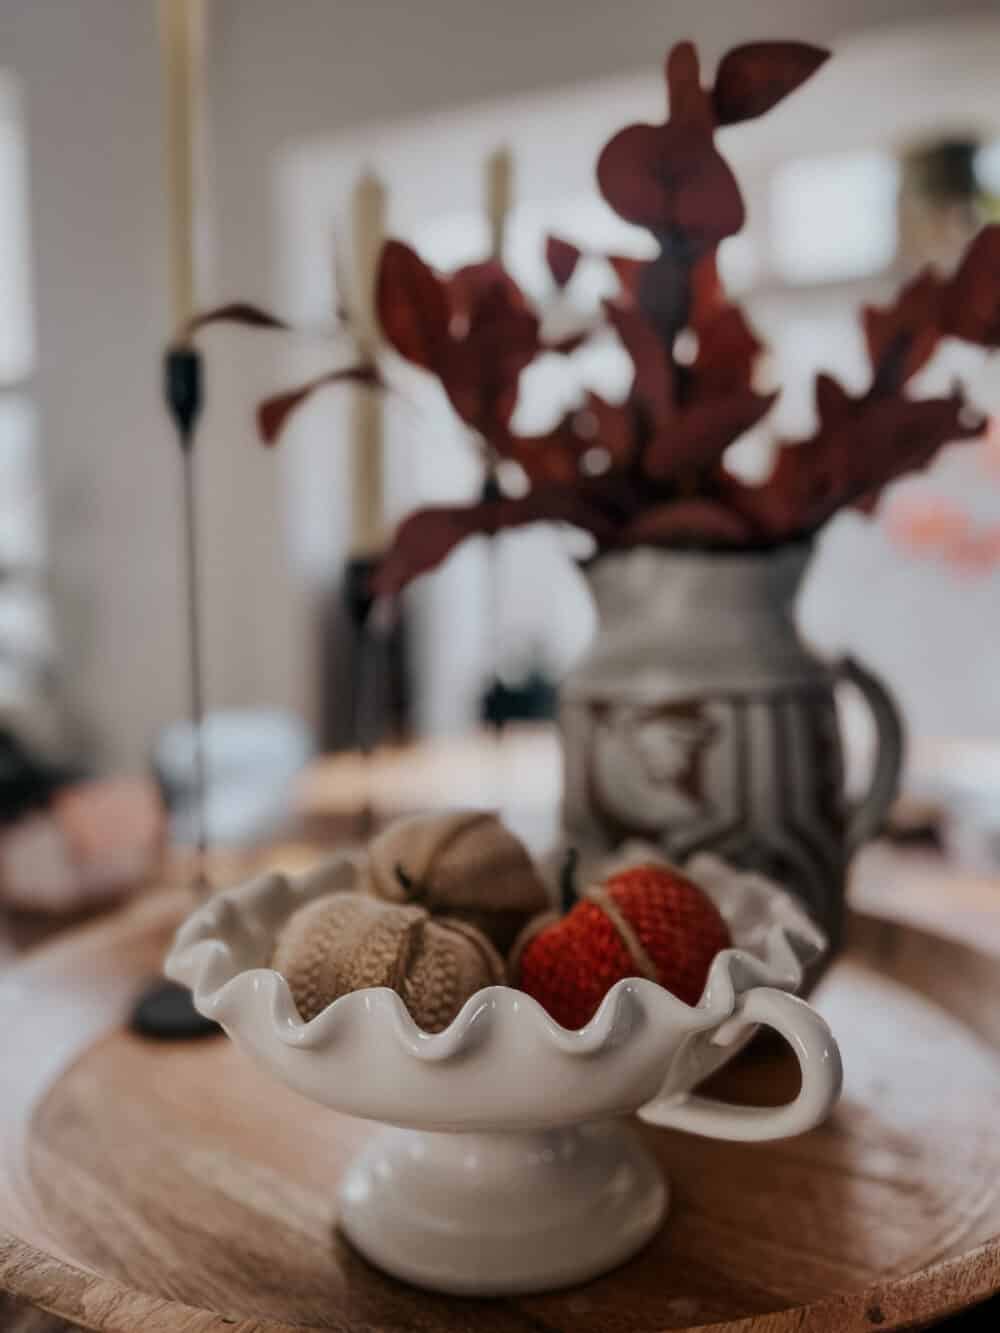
466 865
346 941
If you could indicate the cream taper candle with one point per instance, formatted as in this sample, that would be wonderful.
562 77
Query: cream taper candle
181 30
368 207
499 197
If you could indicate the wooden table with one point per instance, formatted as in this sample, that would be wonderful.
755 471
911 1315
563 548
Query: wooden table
190 1174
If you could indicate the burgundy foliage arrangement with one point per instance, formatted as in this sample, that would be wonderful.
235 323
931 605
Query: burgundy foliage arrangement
651 470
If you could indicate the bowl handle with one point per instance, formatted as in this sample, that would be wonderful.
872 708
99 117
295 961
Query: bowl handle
819 1060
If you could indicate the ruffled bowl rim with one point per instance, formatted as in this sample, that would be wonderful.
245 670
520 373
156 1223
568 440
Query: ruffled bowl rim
258 999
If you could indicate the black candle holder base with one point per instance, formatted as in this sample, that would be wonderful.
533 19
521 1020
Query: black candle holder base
166 1012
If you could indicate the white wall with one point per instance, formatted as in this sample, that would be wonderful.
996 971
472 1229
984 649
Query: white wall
91 81
89 77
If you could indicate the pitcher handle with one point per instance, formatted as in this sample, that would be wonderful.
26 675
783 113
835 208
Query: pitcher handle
818 1055
868 815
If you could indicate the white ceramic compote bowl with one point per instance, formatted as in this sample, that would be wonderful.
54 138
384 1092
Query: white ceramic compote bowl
507 1170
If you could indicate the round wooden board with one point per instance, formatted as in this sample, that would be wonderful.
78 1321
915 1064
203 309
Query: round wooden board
153 1187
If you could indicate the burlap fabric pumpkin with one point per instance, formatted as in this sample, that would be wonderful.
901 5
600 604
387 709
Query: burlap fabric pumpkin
465 865
346 941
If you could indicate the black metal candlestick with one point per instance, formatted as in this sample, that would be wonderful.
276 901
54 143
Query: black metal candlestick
182 384
365 679
166 1011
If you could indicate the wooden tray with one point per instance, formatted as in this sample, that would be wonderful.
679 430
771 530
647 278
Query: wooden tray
152 1188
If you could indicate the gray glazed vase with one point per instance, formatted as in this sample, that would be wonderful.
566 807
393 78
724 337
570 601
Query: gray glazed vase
699 720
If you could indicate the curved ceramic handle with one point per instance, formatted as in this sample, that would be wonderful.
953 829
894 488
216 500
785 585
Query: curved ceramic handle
868 815
819 1060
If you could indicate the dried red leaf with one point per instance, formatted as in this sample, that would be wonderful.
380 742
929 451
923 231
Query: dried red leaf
791 502
901 337
653 383
412 305
702 521
706 294
670 297
699 435
833 402
727 346
727 353
236 312
629 272
555 456
664 292
473 329
752 79
493 336
972 300
613 428
273 413
670 177
852 457
911 436
477 290
425 539
562 258
689 101
551 457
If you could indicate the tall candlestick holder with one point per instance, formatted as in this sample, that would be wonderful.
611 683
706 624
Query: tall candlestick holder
165 1010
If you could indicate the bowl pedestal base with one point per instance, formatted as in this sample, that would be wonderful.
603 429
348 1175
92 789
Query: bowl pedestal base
493 1214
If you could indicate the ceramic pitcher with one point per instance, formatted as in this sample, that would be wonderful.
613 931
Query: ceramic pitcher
700 720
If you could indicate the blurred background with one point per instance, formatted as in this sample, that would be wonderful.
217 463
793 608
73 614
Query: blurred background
888 159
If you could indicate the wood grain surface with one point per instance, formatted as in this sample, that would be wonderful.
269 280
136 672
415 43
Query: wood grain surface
19 1317
150 1188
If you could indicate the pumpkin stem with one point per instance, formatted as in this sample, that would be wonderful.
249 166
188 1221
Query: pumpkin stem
405 880
567 880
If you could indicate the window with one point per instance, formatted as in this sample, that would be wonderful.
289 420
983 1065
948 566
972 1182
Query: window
834 217
24 624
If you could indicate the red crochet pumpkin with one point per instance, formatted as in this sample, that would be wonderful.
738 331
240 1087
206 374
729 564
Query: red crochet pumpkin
648 920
